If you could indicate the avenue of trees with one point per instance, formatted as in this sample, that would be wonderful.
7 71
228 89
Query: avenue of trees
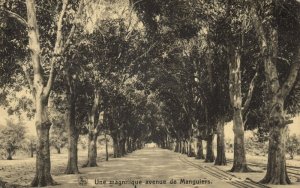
171 72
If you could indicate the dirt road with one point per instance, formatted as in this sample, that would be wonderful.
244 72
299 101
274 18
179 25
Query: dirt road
150 167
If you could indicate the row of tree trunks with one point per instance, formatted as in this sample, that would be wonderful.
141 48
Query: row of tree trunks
186 147
41 88
123 146
166 144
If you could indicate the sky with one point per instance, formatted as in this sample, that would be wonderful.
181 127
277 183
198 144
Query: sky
294 129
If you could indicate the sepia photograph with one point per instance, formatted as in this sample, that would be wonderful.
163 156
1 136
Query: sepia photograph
150 93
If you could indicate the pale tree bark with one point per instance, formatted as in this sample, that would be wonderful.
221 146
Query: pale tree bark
239 160
92 150
129 145
183 147
39 90
43 165
276 167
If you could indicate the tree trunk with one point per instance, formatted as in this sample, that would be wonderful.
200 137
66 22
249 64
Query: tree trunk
31 151
106 147
183 149
41 95
200 154
210 156
92 150
180 147
9 157
43 163
276 168
72 165
221 158
58 150
187 147
70 121
176 147
93 125
133 145
191 152
129 148
122 145
268 39
116 147
239 159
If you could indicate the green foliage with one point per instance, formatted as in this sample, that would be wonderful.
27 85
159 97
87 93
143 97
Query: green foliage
11 137
292 145
167 77
29 144
256 144
58 134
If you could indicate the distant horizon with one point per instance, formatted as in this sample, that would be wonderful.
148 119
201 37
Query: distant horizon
29 125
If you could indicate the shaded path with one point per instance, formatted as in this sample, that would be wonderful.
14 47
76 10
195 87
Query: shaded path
150 164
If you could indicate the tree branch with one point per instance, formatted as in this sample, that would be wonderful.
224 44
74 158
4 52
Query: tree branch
57 48
259 28
29 80
15 16
59 41
72 31
146 52
250 93
290 81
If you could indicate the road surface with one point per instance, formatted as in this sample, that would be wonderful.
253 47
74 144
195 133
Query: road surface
152 167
